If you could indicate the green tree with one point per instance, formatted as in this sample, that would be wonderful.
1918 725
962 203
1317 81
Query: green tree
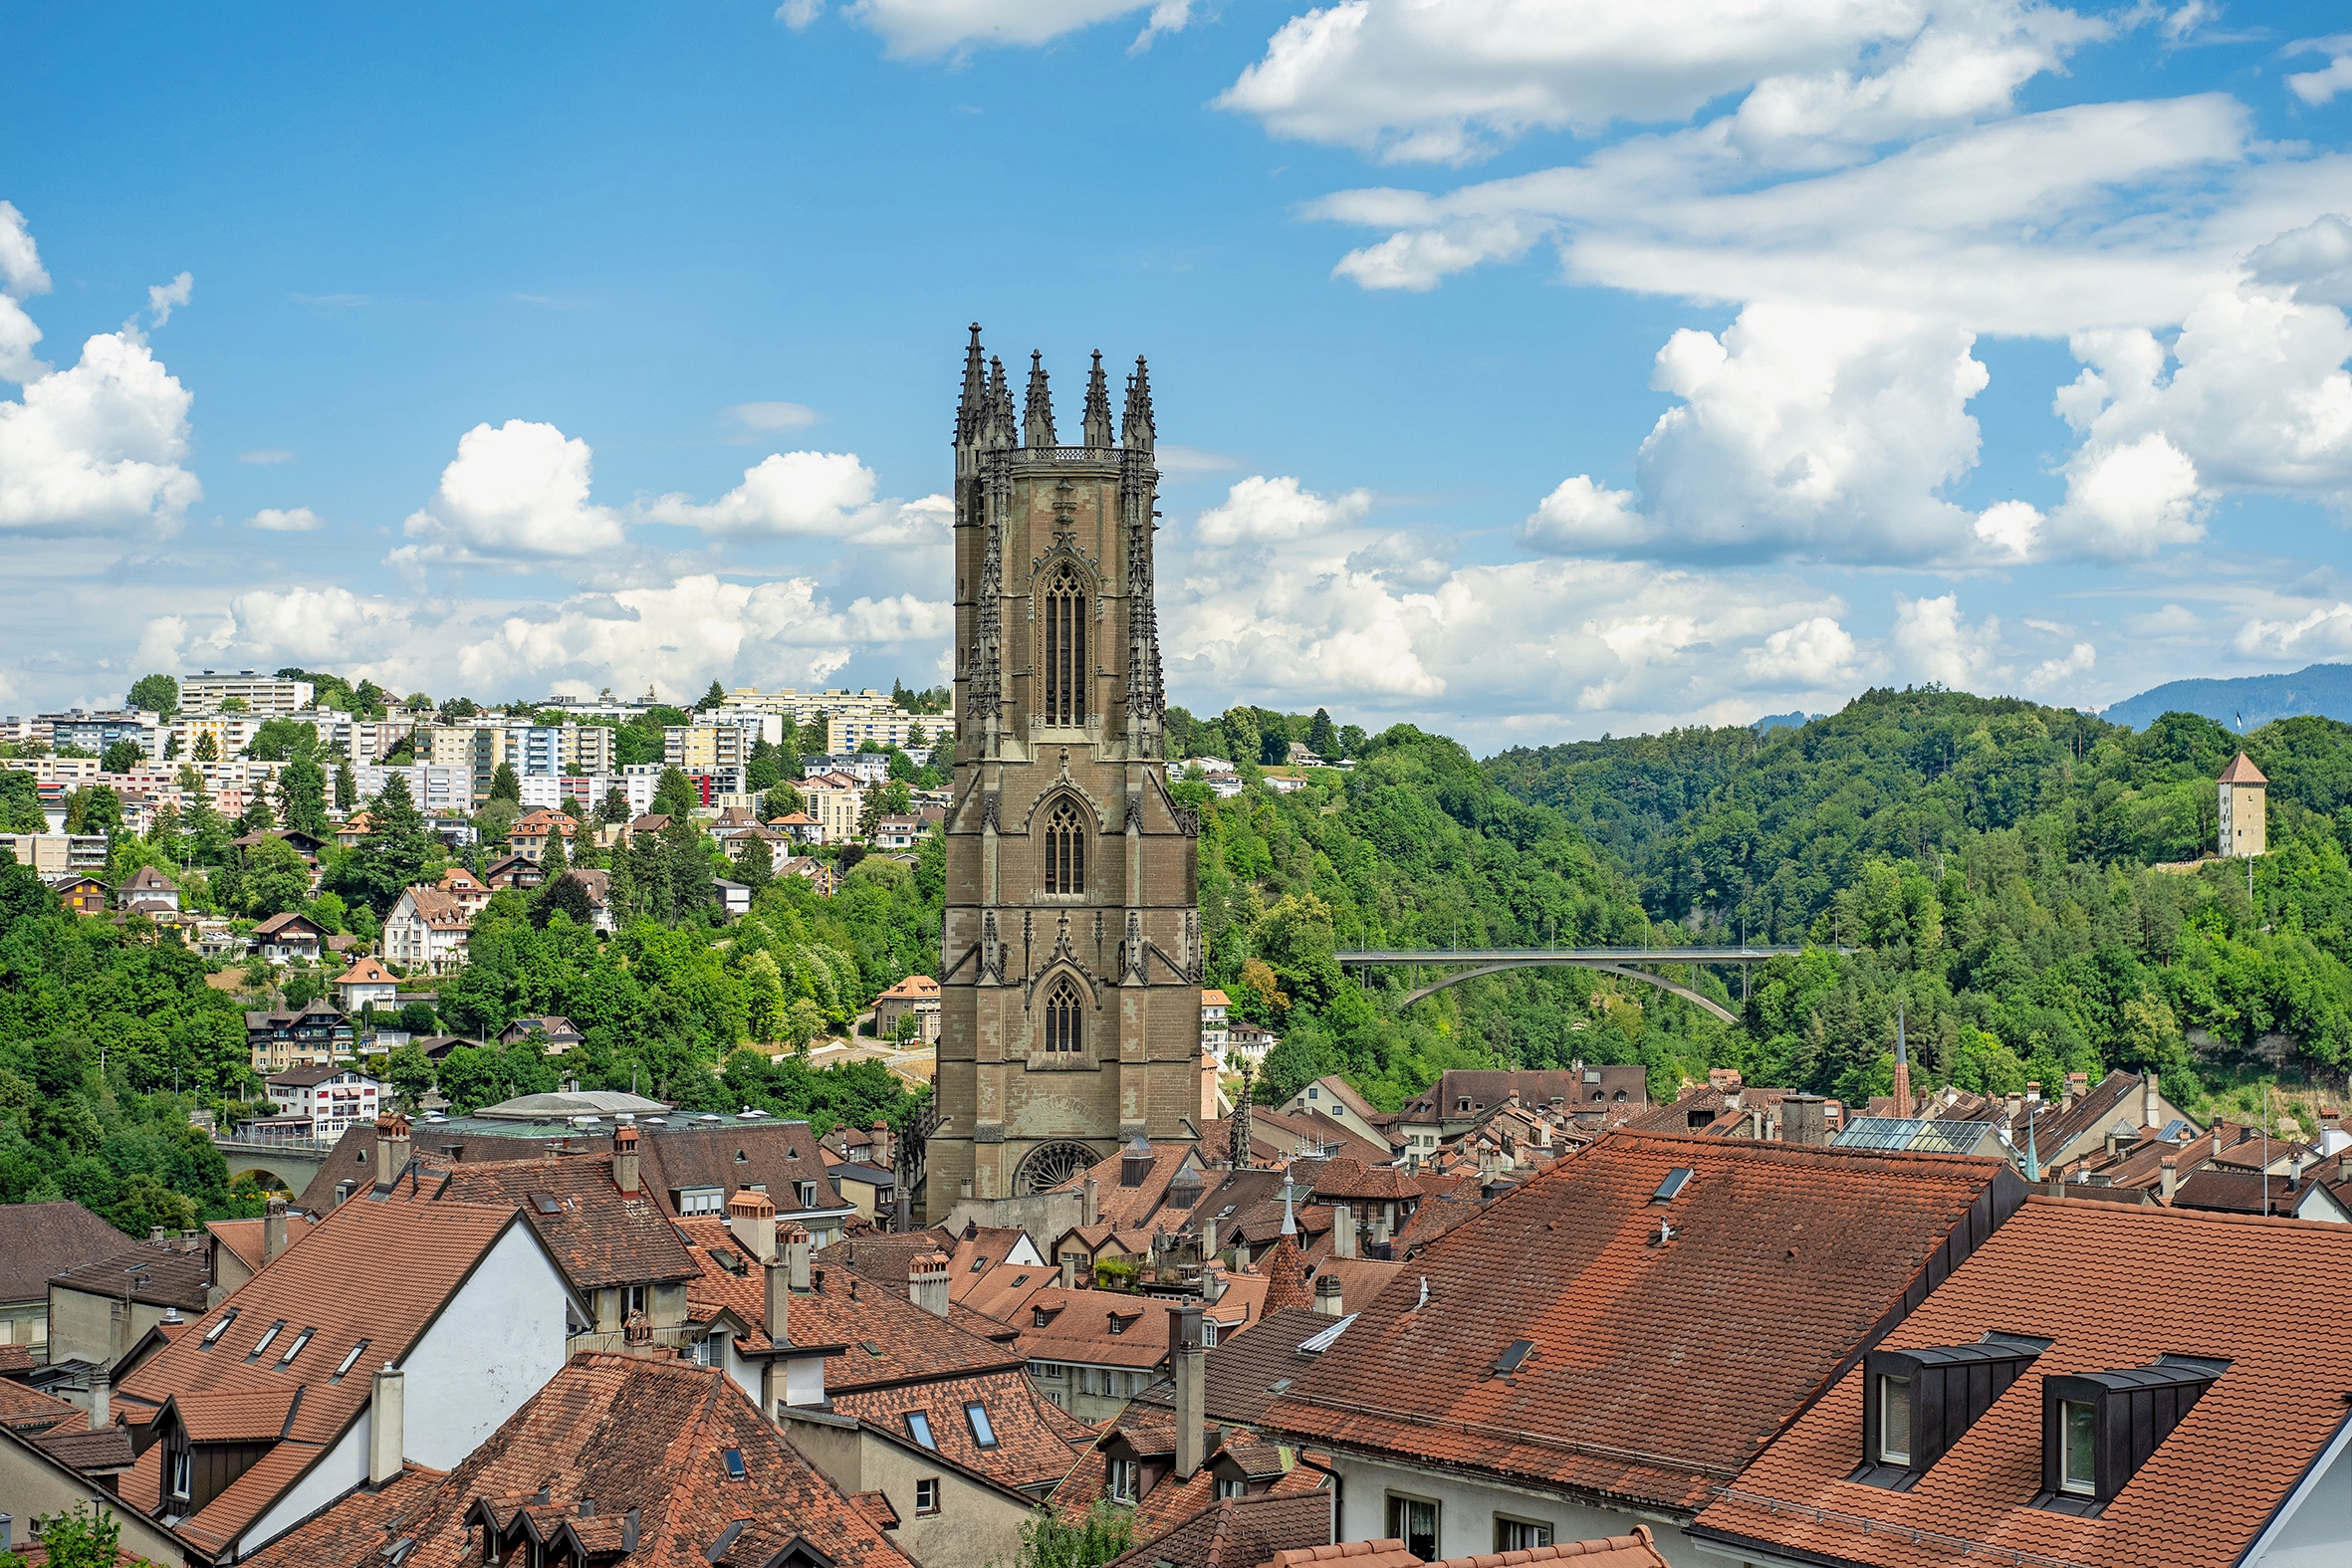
504 786
782 800
121 755
755 864
207 748
346 788
274 879
20 802
674 795
1107 1531
1322 738
394 855
278 739
409 1072
614 807
156 694
716 697
89 1536
302 795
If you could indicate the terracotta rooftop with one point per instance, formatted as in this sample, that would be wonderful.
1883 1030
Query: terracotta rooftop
914 988
1133 1208
374 1271
28 1410
1350 1179
38 1241
1171 1502
1035 1442
244 1236
1240 1532
619 1459
600 1235
2110 1288
1633 1382
170 1273
1076 1327
2241 770
1244 1374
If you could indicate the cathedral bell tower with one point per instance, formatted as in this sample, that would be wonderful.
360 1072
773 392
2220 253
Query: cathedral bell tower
1070 955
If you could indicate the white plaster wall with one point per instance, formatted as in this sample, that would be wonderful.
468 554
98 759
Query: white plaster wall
2319 1535
493 1347
1467 1509
343 1468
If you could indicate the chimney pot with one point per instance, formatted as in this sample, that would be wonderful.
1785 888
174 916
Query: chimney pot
1327 1295
778 1319
102 1382
795 1244
273 1229
624 1159
2151 1108
1086 1206
1189 1361
2170 1167
1343 1230
926 1283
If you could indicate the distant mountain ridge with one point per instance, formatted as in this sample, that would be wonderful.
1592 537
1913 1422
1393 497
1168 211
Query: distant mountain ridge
2323 689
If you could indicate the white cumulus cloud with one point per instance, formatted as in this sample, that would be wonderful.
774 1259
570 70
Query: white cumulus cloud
1262 511
514 492
809 494
916 28
298 520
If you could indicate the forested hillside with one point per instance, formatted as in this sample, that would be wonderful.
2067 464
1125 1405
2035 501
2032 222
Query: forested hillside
1989 861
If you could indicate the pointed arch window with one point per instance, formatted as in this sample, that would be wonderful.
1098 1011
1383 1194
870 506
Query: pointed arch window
1065 1017
1066 849
1064 662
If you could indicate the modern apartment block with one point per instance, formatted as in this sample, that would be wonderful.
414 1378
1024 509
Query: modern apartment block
265 696
95 731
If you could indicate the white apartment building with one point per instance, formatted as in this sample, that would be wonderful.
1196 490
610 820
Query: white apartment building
834 799
231 733
434 788
265 696
706 748
845 732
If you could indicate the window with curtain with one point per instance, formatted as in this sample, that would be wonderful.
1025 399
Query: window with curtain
1063 609
1064 1020
1066 849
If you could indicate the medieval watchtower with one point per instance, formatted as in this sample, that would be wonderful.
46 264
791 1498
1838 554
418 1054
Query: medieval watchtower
1070 958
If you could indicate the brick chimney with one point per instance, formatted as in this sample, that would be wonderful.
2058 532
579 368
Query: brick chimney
2078 1084
391 1147
1343 1230
1189 1361
926 1283
882 1155
1326 1296
2149 1108
750 1220
273 1229
624 1158
2171 1166
794 1243
387 1426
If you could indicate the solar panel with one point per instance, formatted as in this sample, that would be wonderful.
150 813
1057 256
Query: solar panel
1672 1186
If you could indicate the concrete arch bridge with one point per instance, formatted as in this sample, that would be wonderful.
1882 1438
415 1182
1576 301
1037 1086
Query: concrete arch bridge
1474 962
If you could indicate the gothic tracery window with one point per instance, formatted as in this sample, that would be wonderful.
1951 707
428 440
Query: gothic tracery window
1063 613
1064 1020
1066 849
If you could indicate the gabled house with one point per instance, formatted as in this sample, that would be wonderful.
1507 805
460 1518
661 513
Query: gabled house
148 892
313 1035
427 930
393 1330
917 998
327 1097
98 1310
81 893
2094 1384
38 1241
531 832
618 1460
555 1028
1584 1352
289 938
364 982
518 871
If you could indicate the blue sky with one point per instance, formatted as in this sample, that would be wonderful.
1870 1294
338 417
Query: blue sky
1527 371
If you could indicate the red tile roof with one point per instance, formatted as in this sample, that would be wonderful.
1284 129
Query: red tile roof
1036 1442
38 1241
599 1234
642 1439
2111 1287
2241 770
1170 1503
380 1271
1240 1532
27 1410
1642 1386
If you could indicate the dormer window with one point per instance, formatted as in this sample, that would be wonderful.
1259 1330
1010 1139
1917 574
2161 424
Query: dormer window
2099 1428
1918 1402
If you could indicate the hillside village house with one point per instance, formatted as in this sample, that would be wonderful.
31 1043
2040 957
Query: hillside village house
329 1097
427 930
283 1039
1213 1006
834 800
364 982
917 998
289 938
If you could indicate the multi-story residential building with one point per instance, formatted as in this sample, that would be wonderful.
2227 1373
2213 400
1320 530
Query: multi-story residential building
95 731
834 799
705 747
371 739
56 854
330 1097
864 767
231 733
435 788
265 696
283 1041
589 749
427 930
590 788
845 732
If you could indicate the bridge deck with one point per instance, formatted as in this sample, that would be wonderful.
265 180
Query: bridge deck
1737 955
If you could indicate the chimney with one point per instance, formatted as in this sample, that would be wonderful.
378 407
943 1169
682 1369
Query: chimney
102 1387
795 1242
1209 1240
1326 1296
2078 1084
779 1319
2033 1091
1384 1225
624 1159
155 1235
1903 1106
750 1220
881 1144
1190 1366
387 1426
1804 1118
2150 1109
2294 1173
391 1147
1070 1271
1343 1230
2171 1166
926 1283
273 1229
1086 1206
2017 1106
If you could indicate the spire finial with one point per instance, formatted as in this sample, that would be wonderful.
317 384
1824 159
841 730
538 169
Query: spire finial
1097 432
1136 431
971 409
1037 422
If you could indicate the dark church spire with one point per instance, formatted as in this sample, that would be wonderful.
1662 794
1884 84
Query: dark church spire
1137 426
1097 432
1037 422
999 430
970 408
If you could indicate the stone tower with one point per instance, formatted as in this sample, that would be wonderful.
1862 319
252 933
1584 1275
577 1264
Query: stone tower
1071 956
2242 819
